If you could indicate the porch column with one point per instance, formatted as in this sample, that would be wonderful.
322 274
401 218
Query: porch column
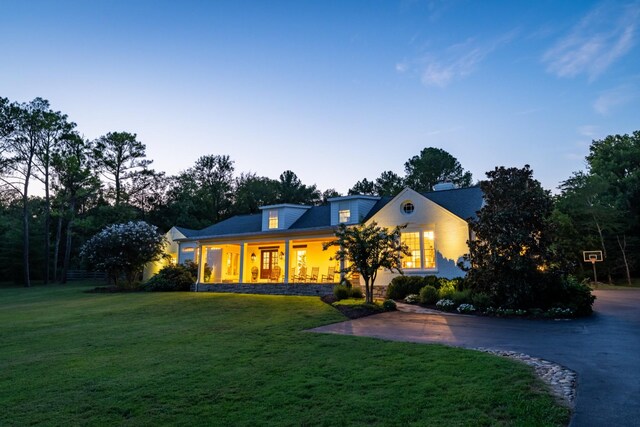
199 261
286 261
341 269
241 278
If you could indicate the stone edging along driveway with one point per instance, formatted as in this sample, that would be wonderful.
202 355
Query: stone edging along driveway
602 350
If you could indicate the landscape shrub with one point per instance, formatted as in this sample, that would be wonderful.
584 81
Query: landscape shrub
458 283
356 293
192 267
341 292
170 278
461 297
446 291
578 297
559 312
466 308
389 305
428 295
401 286
412 299
446 305
431 281
122 250
481 300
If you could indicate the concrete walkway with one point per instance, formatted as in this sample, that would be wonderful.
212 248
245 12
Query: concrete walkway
604 350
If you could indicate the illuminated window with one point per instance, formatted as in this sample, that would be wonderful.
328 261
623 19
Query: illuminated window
412 240
429 250
273 219
407 208
301 258
344 215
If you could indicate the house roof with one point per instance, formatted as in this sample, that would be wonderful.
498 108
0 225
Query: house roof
463 202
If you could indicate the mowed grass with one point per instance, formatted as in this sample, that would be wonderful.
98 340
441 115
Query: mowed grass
73 358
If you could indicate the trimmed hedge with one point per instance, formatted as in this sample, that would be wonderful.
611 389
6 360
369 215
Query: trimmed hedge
171 278
401 286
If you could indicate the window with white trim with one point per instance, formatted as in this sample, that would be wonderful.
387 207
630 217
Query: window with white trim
273 219
412 240
422 252
344 212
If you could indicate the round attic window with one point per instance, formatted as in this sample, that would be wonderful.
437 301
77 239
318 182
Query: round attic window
407 208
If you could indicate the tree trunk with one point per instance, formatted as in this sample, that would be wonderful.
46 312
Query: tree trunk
25 226
368 290
623 247
56 248
47 226
67 249
604 249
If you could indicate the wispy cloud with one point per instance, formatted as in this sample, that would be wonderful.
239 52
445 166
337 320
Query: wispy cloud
601 37
616 97
590 131
459 60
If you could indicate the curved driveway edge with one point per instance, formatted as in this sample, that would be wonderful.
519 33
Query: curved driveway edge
604 349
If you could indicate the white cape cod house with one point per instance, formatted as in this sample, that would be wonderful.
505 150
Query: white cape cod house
283 244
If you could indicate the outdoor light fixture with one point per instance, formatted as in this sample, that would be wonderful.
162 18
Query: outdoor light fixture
253 257
281 255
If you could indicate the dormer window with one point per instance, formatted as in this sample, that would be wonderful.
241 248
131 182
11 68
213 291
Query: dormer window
344 215
344 212
273 219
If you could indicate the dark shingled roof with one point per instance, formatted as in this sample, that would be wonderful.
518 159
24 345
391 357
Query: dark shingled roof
235 225
464 202
186 231
379 205
316 216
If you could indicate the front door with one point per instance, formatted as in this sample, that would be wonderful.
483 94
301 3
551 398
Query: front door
269 261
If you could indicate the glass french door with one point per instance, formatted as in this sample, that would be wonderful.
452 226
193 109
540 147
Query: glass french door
269 259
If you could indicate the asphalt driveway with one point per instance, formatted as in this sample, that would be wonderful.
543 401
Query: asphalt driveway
604 349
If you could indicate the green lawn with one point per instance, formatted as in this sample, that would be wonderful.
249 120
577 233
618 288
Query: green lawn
69 358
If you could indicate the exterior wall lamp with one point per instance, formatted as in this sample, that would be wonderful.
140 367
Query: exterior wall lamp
253 257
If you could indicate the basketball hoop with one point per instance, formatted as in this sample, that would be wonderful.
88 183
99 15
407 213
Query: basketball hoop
593 257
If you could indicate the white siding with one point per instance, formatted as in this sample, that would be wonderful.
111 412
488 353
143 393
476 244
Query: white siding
451 233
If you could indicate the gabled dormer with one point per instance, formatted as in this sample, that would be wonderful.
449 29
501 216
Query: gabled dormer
281 217
351 209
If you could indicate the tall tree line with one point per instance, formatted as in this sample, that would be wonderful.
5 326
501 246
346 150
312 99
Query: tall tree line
82 185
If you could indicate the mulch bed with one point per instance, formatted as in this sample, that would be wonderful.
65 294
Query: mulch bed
350 311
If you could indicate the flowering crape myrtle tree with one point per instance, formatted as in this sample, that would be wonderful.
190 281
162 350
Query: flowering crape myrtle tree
365 249
124 249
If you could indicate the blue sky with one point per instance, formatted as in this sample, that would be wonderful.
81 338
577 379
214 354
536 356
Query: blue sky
334 90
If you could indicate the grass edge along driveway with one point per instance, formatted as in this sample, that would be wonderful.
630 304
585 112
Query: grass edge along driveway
68 357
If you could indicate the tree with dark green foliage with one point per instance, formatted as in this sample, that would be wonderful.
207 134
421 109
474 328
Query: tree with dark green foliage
75 181
252 191
292 190
55 127
366 249
512 245
329 194
21 141
434 165
600 208
365 187
120 157
389 183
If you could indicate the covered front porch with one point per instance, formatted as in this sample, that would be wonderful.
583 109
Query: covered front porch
273 261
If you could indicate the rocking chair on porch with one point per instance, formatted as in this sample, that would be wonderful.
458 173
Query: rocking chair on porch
275 274
329 277
314 274
302 275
